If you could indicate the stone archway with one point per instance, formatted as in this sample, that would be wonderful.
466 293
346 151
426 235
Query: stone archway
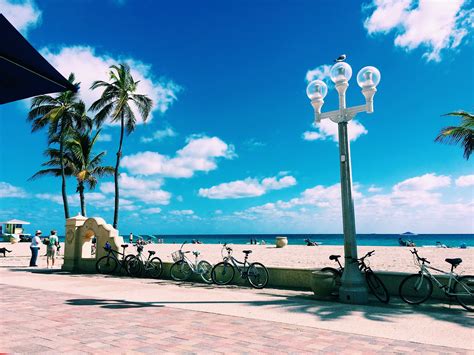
80 234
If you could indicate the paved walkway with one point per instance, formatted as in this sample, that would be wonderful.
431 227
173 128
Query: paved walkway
65 323
139 315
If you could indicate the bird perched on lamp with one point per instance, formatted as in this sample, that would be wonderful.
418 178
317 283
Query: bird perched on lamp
341 58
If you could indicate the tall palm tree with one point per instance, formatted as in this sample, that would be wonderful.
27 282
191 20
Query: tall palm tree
79 161
86 167
60 114
114 103
462 134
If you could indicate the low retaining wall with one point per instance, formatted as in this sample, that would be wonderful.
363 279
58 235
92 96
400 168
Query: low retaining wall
287 278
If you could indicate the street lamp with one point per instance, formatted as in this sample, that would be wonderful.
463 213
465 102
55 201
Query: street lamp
353 288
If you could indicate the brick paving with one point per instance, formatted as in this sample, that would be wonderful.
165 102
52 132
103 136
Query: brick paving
37 321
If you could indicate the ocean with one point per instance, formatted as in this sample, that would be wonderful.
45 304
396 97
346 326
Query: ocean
451 240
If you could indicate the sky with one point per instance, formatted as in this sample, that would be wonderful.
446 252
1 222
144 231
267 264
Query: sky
230 146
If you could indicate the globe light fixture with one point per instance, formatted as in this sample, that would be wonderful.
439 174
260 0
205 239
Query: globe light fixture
340 72
368 78
316 91
353 287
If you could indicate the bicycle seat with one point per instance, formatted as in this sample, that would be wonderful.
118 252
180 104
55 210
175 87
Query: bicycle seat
124 246
246 252
334 257
151 252
454 262
196 253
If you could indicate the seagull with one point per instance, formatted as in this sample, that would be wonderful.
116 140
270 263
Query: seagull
341 58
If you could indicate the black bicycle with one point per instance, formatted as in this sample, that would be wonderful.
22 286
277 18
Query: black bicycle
108 264
138 266
376 285
223 273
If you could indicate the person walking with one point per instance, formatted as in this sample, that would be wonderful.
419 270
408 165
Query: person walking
52 248
34 247
130 238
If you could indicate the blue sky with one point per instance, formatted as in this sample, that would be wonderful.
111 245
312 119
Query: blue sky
230 146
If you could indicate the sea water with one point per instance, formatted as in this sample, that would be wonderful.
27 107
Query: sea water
451 240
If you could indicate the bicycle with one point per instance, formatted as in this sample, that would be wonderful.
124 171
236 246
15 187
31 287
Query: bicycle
374 283
417 288
183 268
151 267
109 263
223 273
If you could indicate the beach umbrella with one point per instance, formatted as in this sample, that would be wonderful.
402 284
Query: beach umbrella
23 71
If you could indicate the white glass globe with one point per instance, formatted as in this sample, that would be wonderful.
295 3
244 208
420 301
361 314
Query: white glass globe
368 77
341 71
317 89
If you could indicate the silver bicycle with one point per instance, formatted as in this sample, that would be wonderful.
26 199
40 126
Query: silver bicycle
417 288
183 267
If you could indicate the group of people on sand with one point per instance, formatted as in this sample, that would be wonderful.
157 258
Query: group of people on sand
52 248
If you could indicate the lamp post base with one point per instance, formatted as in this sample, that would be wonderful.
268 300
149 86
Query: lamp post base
353 287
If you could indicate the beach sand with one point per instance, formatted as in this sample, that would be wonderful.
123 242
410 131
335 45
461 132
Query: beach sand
398 259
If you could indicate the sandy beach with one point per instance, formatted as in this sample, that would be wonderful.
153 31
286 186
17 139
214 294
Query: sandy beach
297 256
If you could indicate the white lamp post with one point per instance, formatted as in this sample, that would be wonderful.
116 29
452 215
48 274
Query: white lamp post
353 288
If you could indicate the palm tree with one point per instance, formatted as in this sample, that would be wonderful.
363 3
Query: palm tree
61 114
79 161
114 103
462 134
86 167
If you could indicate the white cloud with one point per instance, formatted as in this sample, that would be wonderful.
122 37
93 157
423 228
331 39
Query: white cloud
320 73
374 189
105 137
182 212
199 154
328 130
159 135
425 182
312 136
8 190
23 15
433 25
89 66
145 190
421 204
153 210
250 187
465 181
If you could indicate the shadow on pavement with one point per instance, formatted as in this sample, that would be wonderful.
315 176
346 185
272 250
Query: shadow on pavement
111 304
304 302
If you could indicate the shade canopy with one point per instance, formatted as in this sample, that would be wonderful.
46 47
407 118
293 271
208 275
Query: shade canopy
23 71
15 221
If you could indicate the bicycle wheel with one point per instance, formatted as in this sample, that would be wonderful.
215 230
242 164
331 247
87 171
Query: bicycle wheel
377 287
415 289
464 292
180 271
222 273
205 271
257 275
154 268
134 267
336 276
106 265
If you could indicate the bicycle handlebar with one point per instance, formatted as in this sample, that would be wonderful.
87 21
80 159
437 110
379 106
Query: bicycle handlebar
415 252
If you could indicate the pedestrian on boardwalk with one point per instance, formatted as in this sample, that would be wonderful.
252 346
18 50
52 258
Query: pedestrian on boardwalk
52 248
34 247
130 238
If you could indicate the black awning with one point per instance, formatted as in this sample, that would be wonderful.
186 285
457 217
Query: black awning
23 71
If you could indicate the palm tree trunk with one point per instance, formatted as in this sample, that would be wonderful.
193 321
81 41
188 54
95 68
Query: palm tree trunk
80 188
63 176
116 173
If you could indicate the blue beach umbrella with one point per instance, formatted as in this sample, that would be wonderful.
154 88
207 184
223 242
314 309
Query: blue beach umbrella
23 71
